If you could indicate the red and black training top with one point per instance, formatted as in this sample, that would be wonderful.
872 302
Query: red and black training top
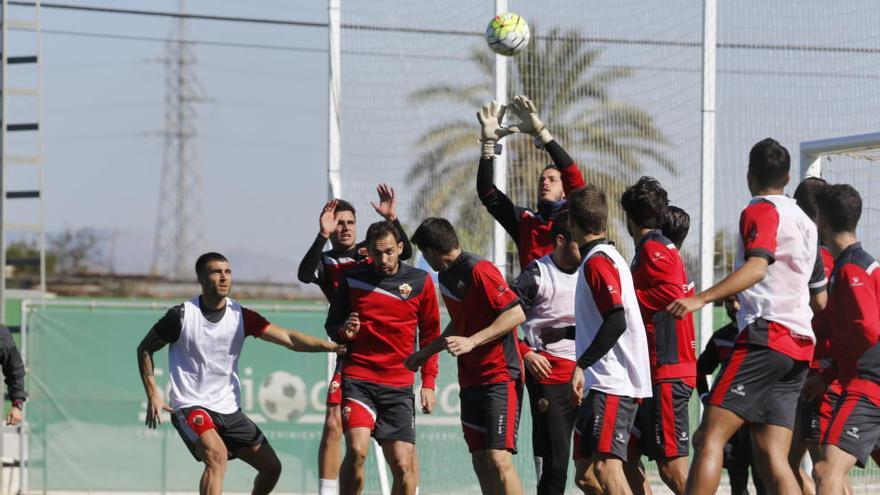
389 307
660 277
854 312
529 229
475 293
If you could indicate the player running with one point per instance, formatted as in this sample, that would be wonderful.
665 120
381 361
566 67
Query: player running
854 315
613 369
546 290
338 224
376 310
205 337
778 277
484 313
659 276
529 229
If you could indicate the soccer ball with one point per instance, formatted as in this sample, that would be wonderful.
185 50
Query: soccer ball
283 396
507 34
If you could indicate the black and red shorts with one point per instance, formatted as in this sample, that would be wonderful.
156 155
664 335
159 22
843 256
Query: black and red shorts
236 430
815 416
855 426
490 415
760 385
604 424
389 412
664 421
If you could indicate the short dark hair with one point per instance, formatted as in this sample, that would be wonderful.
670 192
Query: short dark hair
676 224
551 166
841 207
379 230
645 203
436 234
343 205
588 209
206 258
769 163
560 227
806 195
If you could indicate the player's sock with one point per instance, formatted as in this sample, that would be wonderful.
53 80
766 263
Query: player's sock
417 490
327 487
539 466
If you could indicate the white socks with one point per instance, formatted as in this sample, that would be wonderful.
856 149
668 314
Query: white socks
327 487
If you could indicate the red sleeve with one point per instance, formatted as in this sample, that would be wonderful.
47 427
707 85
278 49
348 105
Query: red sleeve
523 347
758 226
429 330
494 288
855 310
663 268
604 283
572 179
254 323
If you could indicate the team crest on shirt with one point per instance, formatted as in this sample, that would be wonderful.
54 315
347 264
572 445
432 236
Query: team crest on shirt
405 290
461 285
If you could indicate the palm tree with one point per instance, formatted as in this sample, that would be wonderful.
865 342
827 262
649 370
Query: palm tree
613 138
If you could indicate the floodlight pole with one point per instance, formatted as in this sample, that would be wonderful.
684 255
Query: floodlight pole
707 196
334 173
499 238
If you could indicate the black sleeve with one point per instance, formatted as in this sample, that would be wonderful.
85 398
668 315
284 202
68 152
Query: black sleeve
612 328
340 308
526 285
496 202
308 267
560 157
13 366
169 326
706 364
407 246
818 280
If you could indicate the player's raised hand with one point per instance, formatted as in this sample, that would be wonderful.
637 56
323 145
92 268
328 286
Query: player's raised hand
327 220
415 361
530 122
351 327
387 206
491 115
155 406
459 345
576 392
682 307
428 400
538 365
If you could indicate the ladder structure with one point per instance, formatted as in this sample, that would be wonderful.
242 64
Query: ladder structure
22 233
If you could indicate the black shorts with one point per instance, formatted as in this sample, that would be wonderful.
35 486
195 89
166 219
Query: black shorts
389 412
236 430
604 424
854 427
664 421
815 416
490 415
760 385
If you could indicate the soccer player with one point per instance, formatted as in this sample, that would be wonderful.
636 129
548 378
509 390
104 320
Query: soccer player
613 369
530 230
205 337
777 278
675 226
546 291
484 313
13 374
376 310
738 451
659 276
854 315
338 224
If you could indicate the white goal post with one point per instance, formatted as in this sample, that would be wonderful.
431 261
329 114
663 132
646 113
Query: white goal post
812 152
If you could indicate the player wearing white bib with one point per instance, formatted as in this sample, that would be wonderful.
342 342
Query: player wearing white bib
613 368
546 291
206 336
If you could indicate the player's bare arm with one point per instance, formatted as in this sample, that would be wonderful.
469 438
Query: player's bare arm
502 325
298 341
151 343
818 301
750 273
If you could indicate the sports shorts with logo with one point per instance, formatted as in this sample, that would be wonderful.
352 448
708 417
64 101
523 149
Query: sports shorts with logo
604 424
389 412
663 421
490 415
855 426
334 388
760 385
236 430
815 416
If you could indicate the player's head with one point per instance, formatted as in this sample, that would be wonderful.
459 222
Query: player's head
840 208
731 305
644 204
807 193
383 243
345 235
676 224
214 274
588 212
438 242
769 164
550 184
566 251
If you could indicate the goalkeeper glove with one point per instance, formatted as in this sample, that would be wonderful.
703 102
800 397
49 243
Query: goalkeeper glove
530 123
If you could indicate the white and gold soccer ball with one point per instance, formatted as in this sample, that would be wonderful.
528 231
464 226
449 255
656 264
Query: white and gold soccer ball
507 34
